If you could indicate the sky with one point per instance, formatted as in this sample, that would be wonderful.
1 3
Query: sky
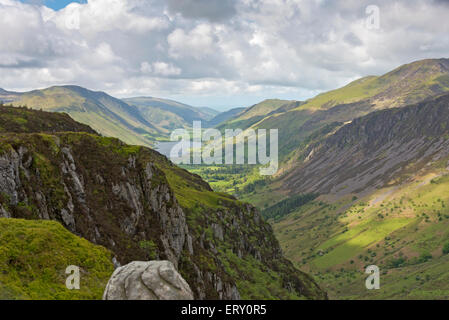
53 4
216 53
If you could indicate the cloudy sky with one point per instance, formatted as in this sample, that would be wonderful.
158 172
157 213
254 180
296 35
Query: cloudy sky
218 53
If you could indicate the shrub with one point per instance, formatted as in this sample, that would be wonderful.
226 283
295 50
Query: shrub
424 257
446 248
396 262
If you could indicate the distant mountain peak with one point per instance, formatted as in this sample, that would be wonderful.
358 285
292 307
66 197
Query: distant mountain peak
426 66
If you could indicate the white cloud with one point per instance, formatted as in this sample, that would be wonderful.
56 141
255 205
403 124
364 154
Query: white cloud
209 50
160 68
197 43
165 69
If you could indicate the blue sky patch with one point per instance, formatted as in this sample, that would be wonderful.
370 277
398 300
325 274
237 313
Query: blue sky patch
54 4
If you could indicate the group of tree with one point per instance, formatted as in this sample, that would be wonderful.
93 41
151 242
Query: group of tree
288 205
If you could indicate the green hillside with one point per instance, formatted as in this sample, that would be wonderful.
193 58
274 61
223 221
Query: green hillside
300 124
403 86
407 84
253 114
168 115
383 181
24 120
107 115
34 256
224 116
403 231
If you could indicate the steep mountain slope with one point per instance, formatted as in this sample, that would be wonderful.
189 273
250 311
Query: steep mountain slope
140 206
371 150
224 116
302 123
34 256
383 181
405 85
209 112
262 108
253 114
107 115
168 114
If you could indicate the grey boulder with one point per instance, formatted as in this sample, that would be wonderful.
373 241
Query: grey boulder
152 280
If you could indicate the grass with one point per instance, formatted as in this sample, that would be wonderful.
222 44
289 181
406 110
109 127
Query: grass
107 115
253 281
253 114
355 91
402 230
425 281
354 242
35 254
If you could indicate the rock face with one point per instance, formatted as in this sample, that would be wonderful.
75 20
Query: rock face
374 150
61 188
142 207
153 280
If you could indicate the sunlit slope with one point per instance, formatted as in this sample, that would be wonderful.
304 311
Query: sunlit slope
405 85
402 230
107 115
383 181
254 114
34 256
168 115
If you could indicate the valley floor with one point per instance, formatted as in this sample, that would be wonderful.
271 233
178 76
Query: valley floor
403 229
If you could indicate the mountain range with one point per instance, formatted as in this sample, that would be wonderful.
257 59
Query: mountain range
364 169
405 85
169 115
139 121
363 180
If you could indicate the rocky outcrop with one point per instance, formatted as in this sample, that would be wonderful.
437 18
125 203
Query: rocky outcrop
119 196
127 205
133 200
153 280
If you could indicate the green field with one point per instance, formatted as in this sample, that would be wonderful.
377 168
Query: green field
401 230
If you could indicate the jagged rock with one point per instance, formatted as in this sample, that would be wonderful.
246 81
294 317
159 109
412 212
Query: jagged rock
153 280
137 215
9 176
218 231
4 213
